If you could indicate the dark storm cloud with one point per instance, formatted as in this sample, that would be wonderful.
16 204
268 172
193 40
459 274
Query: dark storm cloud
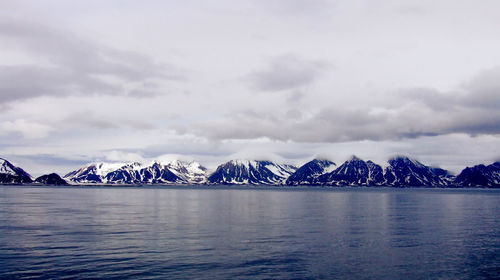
67 64
287 72
474 109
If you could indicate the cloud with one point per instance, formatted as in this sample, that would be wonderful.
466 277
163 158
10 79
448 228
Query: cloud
287 72
29 129
27 81
94 121
89 119
472 109
50 159
65 64
294 8
483 90
122 156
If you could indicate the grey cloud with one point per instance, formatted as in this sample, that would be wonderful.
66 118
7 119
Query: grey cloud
339 125
483 90
75 65
88 119
93 121
420 112
145 90
287 72
26 81
142 93
40 164
410 10
295 97
49 159
431 97
295 8
474 122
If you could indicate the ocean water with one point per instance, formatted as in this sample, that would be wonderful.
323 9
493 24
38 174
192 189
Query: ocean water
248 233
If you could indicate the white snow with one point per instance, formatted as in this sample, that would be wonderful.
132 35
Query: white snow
5 169
275 170
102 169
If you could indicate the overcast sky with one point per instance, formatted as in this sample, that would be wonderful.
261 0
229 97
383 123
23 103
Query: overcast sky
287 80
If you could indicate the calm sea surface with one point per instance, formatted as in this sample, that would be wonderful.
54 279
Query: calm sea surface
259 233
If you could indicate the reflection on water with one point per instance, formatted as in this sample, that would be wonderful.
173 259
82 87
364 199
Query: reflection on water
79 233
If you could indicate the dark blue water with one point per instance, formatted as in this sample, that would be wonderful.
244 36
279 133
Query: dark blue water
173 233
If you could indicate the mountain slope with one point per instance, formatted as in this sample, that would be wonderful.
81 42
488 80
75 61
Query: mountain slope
251 172
308 173
479 176
10 174
354 172
174 172
51 179
92 173
406 172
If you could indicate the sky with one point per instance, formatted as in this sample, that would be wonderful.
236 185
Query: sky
285 80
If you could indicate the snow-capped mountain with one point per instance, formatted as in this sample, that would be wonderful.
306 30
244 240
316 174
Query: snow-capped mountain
10 174
406 172
354 172
173 172
400 172
251 172
192 172
51 179
308 173
479 176
92 173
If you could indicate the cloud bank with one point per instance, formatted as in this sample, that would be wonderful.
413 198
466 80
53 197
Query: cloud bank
408 113
65 64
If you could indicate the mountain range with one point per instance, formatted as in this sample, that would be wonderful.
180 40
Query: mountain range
399 171
174 172
10 174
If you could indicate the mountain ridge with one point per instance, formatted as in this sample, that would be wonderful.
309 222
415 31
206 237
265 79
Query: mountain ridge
400 171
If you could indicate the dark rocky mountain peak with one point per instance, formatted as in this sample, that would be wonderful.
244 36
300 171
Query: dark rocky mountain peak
11 174
51 179
308 173
251 172
354 172
479 176
405 172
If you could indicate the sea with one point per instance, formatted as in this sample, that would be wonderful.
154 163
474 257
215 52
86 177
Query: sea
248 233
